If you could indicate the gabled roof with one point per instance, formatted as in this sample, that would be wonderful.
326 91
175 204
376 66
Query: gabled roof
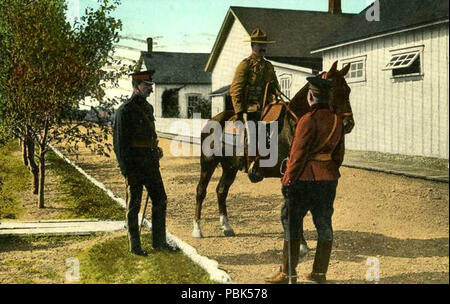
394 15
295 31
177 68
221 91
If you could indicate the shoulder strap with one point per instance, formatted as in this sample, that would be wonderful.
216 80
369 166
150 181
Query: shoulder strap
327 140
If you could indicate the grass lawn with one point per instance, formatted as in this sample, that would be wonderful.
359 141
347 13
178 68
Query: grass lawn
110 263
81 198
104 258
14 179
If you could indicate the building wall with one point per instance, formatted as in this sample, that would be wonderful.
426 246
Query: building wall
156 98
233 52
184 128
217 105
297 78
407 116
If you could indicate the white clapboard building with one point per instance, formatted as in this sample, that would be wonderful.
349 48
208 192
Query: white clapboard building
295 33
399 76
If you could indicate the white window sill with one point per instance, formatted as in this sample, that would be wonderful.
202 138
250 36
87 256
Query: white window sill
409 77
356 80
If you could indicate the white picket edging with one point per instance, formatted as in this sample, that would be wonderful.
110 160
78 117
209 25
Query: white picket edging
210 266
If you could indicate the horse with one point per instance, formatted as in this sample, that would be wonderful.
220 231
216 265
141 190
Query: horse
339 103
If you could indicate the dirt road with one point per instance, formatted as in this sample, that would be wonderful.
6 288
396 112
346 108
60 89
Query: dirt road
402 222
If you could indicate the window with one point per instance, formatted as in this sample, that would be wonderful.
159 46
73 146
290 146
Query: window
193 100
357 70
285 84
405 62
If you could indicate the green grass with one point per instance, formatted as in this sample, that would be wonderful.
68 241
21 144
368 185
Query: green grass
83 199
111 263
14 180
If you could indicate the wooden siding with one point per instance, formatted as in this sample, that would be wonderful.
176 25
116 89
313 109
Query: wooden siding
401 116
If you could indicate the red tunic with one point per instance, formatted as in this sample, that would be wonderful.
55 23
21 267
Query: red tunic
310 159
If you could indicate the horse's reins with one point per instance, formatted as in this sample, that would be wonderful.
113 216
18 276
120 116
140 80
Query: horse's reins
278 99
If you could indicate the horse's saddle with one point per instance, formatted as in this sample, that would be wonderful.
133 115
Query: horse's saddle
236 128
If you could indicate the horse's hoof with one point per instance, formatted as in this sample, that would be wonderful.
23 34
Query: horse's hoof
254 175
228 233
197 232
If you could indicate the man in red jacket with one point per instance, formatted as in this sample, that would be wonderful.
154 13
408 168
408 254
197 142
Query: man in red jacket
310 182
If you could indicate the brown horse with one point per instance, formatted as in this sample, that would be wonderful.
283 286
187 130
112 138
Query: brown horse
298 106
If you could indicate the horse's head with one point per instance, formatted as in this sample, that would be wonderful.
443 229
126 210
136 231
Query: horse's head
340 94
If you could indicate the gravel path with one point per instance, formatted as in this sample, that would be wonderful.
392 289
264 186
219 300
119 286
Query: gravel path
402 222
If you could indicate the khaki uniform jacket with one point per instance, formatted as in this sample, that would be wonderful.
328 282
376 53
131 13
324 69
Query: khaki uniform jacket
249 84
311 133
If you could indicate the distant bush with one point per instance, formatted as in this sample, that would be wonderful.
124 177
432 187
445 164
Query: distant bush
202 106
170 108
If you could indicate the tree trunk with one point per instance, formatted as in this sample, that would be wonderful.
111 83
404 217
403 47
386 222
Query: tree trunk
42 151
41 179
32 166
23 148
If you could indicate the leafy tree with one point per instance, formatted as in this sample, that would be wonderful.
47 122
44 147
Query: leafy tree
50 69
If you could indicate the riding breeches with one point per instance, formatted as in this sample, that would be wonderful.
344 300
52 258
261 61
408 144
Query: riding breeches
314 196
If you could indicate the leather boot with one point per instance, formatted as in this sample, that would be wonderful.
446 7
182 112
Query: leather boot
159 229
282 276
321 262
135 244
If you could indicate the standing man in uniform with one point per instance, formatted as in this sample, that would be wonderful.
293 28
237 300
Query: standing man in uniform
251 78
310 182
138 155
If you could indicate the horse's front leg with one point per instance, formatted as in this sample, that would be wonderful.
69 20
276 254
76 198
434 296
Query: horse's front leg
227 179
207 170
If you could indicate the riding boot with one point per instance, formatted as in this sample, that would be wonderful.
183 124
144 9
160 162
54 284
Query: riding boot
159 228
134 238
321 262
135 241
282 276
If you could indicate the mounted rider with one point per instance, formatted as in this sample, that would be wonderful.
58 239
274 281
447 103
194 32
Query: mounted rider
254 79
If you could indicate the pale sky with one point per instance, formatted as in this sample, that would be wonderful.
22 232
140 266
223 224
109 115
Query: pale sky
192 25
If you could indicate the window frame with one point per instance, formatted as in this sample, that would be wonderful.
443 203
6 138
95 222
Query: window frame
356 60
188 106
283 79
407 51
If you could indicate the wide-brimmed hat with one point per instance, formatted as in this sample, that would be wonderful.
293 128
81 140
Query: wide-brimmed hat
145 76
259 36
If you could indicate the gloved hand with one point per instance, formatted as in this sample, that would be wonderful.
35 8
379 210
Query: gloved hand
286 190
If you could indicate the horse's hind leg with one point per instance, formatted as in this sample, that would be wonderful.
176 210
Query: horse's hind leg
207 170
227 179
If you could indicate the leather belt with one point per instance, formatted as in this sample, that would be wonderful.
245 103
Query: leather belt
322 157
